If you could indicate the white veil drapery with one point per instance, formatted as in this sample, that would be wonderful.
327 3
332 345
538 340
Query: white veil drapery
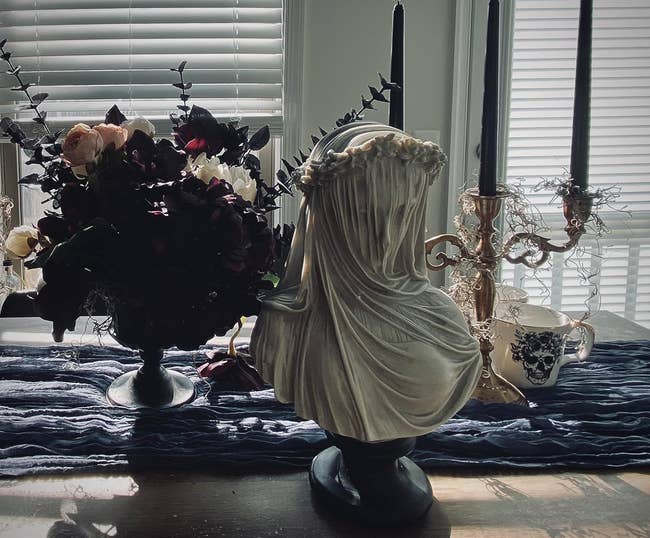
354 334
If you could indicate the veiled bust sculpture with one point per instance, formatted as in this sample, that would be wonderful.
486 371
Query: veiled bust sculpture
355 335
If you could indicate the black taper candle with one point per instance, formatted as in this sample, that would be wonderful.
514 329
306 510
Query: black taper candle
396 110
487 179
582 100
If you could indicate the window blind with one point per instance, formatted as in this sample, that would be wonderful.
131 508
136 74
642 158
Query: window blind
539 144
88 55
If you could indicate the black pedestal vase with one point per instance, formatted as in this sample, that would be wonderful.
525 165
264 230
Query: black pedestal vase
372 482
151 386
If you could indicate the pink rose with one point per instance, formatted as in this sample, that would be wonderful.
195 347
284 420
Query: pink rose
112 134
82 145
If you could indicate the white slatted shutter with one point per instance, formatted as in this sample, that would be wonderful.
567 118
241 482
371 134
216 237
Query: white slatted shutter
539 143
90 54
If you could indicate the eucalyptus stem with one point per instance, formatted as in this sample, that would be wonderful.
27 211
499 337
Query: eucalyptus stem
183 94
24 87
366 105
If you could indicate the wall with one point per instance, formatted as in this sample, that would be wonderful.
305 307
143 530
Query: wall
348 41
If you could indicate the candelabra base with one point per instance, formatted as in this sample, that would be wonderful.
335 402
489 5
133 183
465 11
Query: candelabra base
492 388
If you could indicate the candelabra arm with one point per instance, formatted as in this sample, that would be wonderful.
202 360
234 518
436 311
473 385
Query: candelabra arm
577 210
445 260
544 248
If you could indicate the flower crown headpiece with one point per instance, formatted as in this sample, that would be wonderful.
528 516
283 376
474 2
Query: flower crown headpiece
424 154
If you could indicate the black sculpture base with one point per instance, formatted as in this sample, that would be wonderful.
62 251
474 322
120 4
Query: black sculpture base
151 386
371 482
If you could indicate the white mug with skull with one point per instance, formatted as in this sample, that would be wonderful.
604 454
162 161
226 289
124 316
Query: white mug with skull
529 343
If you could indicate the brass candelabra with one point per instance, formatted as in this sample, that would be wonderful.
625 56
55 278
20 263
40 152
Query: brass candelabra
485 256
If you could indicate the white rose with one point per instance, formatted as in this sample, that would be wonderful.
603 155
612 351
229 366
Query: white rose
139 124
205 169
21 241
243 184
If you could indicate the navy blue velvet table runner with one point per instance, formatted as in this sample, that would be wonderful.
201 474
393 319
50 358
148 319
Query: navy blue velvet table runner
54 418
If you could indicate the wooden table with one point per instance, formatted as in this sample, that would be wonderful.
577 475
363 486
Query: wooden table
470 505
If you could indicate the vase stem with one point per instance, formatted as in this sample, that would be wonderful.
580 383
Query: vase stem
152 385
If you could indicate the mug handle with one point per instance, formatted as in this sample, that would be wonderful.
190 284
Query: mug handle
587 337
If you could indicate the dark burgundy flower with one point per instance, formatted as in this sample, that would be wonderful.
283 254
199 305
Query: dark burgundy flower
202 133
231 373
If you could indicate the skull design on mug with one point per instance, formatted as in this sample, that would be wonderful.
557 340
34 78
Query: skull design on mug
537 352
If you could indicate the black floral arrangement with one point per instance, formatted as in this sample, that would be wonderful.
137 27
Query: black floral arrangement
171 235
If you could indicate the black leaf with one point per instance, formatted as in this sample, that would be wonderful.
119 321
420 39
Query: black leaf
40 97
181 66
367 103
5 56
231 157
174 119
386 85
22 88
40 119
288 166
54 149
39 261
314 139
243 131
198 113
184 97
376 95
184 108
260 138
179 85
283 182
114 116
282 176
3 43
298 161
54 136
31 179
251 161
255 174
322 131
303 156
30 143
